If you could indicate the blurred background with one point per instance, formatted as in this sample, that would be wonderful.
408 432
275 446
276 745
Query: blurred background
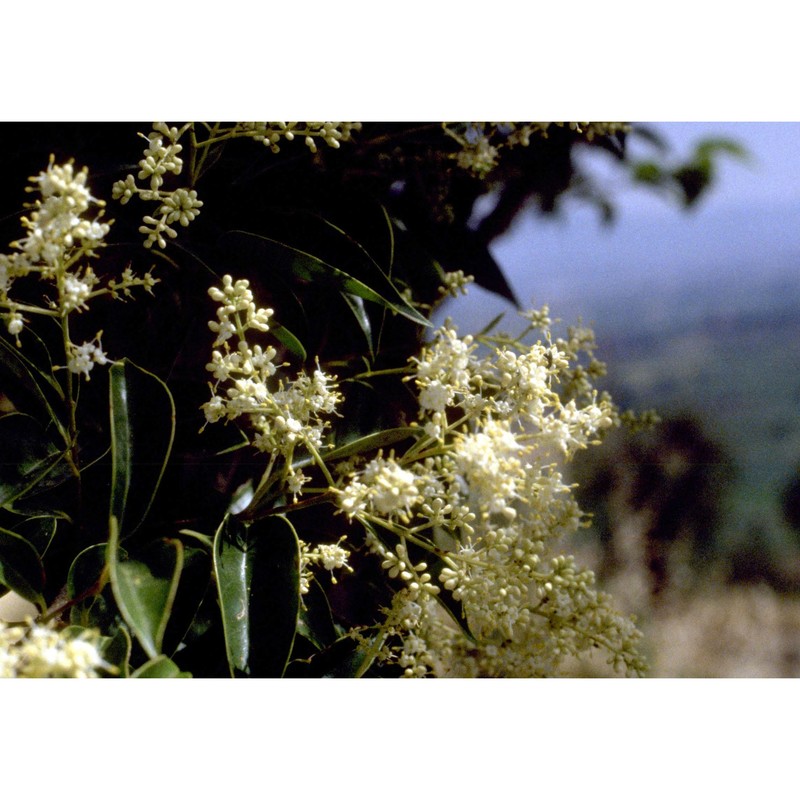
696 308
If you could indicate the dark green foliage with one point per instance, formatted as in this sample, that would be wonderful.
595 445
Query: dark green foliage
131 526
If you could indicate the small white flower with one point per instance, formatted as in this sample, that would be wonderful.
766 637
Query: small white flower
15 323
83 357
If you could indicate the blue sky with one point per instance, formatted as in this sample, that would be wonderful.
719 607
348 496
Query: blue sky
744 230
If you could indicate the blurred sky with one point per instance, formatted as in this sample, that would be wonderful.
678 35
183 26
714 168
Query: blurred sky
746 228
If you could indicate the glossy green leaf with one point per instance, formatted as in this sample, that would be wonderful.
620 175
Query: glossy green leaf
160 667
116 651
86 579
289 340
257 568
28 457
39 530
357 307
373 441
144 588
21 569
305 266
87 572
192 589
142 431
345 658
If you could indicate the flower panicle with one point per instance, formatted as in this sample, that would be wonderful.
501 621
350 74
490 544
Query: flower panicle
31 650
64 230
164 160
482 491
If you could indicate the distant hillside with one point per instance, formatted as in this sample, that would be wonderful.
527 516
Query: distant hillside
729 355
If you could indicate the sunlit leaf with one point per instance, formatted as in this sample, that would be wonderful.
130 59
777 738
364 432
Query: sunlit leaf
373 441
160 667
144 588
142 431
345 658
709 147
289 341
356 305
257 570
648 172
491 325
116 651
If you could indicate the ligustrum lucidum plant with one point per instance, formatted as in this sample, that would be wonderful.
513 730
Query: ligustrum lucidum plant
280 467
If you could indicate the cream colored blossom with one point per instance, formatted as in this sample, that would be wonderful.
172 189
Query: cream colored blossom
82 358
492 506
63 231
41 651
283 413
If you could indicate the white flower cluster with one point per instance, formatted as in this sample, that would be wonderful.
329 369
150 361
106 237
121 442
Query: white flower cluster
61 235
271 133
403 644
455 283
83 357
327 556
482 143
161 158
483 493
284 414
41 651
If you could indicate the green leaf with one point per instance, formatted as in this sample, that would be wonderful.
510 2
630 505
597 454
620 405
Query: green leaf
21 570
39 530
648 172
145 588
491 325
356 305
92 602
345 658
142 431
194 584
306 266
707 148
116 651
160 667
316 622
29 388
91 598
373 441
85 572
257 568
28 457
289 341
